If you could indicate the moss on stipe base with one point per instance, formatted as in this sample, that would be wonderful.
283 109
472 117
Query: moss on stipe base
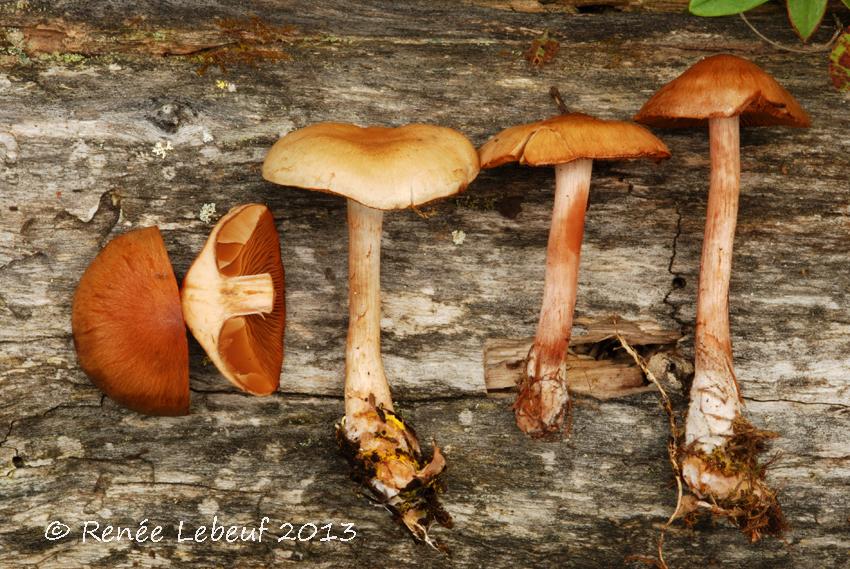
388 461
747 500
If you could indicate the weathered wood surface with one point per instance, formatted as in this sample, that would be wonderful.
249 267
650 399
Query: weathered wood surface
76 141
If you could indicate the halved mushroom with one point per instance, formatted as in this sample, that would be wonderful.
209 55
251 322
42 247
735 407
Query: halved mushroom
233 299
128 327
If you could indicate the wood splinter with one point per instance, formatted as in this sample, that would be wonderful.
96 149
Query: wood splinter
597 366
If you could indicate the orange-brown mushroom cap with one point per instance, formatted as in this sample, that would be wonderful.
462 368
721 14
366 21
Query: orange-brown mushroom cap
565 138
128 326
723 86
244 341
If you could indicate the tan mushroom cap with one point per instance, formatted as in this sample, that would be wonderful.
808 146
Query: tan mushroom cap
128 326
383 168
565 138
723 86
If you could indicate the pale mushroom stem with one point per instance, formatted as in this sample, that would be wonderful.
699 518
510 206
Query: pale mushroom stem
543 400
382 447
720 456
364 368
248 294
715 401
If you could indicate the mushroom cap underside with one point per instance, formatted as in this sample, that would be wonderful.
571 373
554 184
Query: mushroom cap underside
247 348
128 327
569 137
723 86
379 167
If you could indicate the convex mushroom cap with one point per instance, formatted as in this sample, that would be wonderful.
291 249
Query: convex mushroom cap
379 167
233 299
723 86
128 327
569 137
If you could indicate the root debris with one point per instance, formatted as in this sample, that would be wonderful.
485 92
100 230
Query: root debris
752 506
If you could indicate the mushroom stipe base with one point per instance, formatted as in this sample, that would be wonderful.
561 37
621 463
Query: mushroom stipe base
417 505
528 403
751 504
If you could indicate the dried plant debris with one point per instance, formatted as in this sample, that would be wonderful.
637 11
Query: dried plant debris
839 62
542 50
389 462
250 42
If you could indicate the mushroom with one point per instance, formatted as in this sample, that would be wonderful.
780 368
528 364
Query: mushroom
725 91
570 143
128 328
233 299
378 169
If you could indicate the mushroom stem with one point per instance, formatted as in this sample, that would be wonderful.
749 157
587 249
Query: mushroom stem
248 294
364 369
379 444
715 400
543 399
720 455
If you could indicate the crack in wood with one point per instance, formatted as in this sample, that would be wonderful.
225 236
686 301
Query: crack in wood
797 401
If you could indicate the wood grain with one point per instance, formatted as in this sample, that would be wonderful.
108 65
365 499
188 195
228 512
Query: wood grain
77 167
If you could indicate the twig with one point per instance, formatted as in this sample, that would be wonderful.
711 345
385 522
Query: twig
672 446
810 49
559 102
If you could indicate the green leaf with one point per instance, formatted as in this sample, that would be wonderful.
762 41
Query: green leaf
805 16
711 8
839 62
846 3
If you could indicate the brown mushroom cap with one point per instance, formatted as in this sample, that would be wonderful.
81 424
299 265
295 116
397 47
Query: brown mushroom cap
565 138
246 348
723 86
128 326
382 168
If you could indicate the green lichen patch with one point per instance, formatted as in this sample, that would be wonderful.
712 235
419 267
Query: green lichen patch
66 59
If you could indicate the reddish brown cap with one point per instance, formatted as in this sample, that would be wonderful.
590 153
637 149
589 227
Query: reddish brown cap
128 326
233 299
565 138
723 86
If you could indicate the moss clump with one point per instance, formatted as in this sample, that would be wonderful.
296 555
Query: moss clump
740 454
751 505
